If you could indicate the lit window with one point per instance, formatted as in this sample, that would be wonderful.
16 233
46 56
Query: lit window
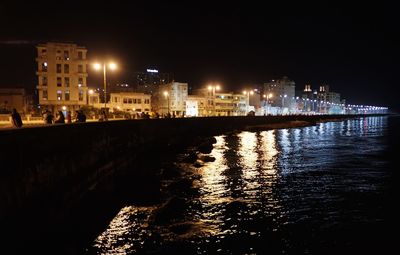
59 95
59 83
44 96
67 95
66 81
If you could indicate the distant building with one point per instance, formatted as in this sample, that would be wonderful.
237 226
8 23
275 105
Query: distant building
231 104
308 100
196 106
17 98
149 81
283 93
329 102
171 98
130 102
216 103
62 74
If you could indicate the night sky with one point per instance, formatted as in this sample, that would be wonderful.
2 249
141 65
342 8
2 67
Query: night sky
350 47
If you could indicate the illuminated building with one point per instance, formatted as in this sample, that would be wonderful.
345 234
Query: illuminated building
62 74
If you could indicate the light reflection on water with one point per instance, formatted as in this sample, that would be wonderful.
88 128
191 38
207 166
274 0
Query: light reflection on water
279 186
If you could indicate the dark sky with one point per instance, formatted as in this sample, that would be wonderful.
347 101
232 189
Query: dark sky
351 47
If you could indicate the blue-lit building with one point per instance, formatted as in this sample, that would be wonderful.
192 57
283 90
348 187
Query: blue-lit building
148 82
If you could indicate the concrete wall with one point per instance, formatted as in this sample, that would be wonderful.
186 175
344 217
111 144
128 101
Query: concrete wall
56 164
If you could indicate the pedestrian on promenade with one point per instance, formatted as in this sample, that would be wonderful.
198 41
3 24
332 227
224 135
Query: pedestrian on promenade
103 116
16 118
60 117
69 118
48 117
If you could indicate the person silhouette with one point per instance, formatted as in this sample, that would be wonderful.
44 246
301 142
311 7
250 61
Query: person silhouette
60 118
16 118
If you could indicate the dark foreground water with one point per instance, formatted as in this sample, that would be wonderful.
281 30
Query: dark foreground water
319 189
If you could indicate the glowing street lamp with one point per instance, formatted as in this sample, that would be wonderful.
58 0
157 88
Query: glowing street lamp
248 93
166 94
268 97
283 101
105 66
90 92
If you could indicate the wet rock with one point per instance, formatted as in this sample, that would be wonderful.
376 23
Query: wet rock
181 228
205 148
206 158
236 206
198 163
183 185
171 210
190 157
206 145
170 172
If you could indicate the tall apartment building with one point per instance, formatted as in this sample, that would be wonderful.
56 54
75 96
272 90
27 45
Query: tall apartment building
283 92
62 74
170 98
148 82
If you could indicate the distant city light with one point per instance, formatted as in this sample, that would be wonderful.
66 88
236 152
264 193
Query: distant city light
152 71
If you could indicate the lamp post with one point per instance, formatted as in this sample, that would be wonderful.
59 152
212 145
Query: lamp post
283 101
90 92
248 93
212 89
268 97
166 94
104 65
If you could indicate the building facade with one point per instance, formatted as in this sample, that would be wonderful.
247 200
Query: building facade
149 81
283 91
329 102
130 102
17 98
62 74
170 98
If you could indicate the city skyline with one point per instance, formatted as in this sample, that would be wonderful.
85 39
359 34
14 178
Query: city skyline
345 47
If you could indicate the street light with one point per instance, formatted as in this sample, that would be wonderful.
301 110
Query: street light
166 94
105 65
90 92
283 101
268 97
212 89
248 93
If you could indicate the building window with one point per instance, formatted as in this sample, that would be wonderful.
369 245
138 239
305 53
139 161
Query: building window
44 96
58 68
58 55
59 82
116 99
44 81
147 101
59 95
66 81
80 68
80 55
80 95
44 52
44 67
67 95
66 68
80 82
66 55
125 100
139 101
